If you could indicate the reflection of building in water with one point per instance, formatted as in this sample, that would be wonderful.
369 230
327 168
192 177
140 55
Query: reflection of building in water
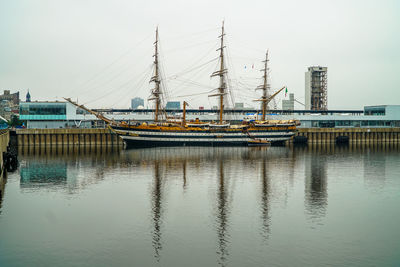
316 185
156 207
265 205
36 174
61 167
222 216
184 173
374 168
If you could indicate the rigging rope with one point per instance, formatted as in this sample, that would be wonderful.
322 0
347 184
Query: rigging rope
124 54
190 70
196 94
113 91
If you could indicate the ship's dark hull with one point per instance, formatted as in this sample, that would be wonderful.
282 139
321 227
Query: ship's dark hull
145 138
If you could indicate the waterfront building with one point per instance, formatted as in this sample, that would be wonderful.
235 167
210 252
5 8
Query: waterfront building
173 105
288 104
9 104
65 115
316 88
54 115
137 102
14 98
7 109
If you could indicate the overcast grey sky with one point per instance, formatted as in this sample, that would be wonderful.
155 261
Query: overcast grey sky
100 51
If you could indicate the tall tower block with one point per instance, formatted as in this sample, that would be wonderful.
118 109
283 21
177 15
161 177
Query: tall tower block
316 88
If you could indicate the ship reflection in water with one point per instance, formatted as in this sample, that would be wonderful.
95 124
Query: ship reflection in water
156 208
225 206
265 203
223 214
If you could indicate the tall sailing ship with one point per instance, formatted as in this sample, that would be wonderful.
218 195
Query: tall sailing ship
162 132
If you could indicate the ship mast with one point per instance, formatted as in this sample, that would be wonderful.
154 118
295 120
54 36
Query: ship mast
264 87
221 73
265 99
155 93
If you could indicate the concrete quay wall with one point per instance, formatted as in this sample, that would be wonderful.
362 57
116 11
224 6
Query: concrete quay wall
68 137
105 137
4 141
350 135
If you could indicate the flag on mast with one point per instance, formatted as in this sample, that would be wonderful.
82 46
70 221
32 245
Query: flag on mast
286 92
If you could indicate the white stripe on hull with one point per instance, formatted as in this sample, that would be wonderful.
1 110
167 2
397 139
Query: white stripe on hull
192 135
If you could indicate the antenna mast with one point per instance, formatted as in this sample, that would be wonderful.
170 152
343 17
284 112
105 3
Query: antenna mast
156 91
221 73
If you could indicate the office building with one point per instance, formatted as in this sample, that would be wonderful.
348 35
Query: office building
288 104
137 102
46 114
316 88
173 105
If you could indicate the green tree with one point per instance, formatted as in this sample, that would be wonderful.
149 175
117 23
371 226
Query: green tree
15 121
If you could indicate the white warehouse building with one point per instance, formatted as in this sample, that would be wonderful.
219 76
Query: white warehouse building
65 115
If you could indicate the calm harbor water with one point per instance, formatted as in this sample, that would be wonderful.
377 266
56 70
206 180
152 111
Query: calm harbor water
280 206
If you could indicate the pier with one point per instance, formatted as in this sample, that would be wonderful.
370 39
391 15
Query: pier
347 135
105 137
4 141
68 137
